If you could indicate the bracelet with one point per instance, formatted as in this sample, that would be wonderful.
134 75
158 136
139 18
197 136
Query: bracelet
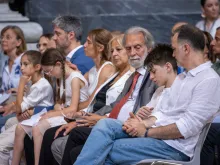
146 133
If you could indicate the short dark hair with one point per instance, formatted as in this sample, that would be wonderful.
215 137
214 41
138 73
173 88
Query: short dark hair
47 35
192 35
33 56
160 55
202 2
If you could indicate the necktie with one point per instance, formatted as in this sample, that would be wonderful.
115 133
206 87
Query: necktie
115 111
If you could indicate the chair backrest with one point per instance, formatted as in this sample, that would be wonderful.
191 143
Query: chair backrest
199 145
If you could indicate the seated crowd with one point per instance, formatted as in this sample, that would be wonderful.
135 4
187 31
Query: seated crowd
118 99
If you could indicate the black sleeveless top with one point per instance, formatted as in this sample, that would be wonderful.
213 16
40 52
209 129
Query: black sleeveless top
100 99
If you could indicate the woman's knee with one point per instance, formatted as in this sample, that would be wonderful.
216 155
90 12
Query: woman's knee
36 131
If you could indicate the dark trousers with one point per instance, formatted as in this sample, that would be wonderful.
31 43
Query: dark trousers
208 150
46 156
74 145
29 150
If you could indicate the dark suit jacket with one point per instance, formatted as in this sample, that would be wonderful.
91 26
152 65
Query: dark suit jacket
83 63
146 91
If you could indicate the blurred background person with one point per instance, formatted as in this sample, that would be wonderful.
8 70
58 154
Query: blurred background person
210 14
13 45
208 50
46 41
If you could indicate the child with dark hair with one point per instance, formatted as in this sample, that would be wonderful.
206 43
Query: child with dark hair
72 88
163 71
40 93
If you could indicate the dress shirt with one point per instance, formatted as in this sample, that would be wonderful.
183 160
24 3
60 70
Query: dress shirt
70 54
129 105
193 99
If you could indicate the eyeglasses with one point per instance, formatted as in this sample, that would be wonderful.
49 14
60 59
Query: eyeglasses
7 37
48 72
39 45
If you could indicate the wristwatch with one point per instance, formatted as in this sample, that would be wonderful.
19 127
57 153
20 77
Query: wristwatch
145 135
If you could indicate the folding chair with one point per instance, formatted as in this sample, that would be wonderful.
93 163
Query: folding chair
195 159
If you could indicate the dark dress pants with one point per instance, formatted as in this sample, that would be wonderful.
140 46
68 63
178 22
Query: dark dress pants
74 145
208 150
29 150
46 156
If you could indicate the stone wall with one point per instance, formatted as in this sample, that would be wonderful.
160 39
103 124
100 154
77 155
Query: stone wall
156 15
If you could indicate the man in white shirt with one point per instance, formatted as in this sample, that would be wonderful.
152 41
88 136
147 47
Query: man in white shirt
173 130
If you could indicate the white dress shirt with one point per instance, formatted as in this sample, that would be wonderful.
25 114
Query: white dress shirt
193 99
129 105
70 54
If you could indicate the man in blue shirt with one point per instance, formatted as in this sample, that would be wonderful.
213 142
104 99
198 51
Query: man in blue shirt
67 36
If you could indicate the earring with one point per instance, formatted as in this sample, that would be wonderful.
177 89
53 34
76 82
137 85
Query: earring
203 15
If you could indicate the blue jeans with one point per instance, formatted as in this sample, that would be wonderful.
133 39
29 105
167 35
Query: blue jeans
3 119
109 144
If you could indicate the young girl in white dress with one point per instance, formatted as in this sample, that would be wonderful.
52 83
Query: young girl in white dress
72 88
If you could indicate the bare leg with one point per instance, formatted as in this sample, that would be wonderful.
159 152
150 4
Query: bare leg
38 132
18 145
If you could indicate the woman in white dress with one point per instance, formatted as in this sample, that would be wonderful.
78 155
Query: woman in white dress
210 14
96 47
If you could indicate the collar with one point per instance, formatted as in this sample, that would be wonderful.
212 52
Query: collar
198 69
70 54
16 61
141 70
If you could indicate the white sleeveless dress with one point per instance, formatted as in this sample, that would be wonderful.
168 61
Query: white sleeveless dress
59 120
94 77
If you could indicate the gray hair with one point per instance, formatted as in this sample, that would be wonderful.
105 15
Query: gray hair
69 24
149 40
